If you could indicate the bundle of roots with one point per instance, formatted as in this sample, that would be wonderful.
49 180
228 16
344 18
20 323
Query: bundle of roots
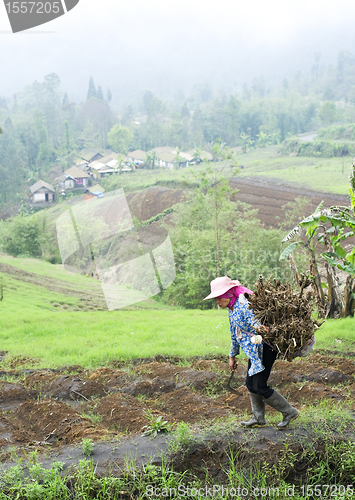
287 313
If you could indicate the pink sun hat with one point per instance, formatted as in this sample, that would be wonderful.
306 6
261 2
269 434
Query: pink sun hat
219 286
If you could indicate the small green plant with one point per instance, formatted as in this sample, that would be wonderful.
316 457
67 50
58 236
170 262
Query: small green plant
95 418
33 456
182 437
156 424
141 397
87 447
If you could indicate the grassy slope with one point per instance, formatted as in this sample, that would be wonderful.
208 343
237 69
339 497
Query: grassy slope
324 174
30 327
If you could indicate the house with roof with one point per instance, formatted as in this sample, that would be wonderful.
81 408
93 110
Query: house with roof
112 156
42 192
104 172
164 149
204 155
80 177
99 169
90 155
65 182
137 156
166 160
82 164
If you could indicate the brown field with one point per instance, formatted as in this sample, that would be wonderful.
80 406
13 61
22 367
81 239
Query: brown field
54 410
267 196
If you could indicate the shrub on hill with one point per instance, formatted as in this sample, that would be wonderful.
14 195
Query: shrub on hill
30 237
338 132
322 148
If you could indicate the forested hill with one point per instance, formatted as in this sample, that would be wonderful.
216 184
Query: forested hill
44 131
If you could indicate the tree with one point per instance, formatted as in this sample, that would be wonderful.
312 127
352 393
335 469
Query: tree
109 96
67 135
99 93
214 236
128 115
246 142
12 165
185 111
151 158
328 113
330 228
92 89
120 138
65 100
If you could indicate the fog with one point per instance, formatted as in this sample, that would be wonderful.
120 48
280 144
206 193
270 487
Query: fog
168 47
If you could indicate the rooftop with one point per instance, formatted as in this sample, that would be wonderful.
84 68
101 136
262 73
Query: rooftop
40 184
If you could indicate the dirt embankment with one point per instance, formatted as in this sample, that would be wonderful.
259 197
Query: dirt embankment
57 408
267 196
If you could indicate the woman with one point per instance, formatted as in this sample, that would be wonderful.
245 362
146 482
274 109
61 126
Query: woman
243 327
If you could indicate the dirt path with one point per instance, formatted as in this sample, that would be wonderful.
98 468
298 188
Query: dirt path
54 410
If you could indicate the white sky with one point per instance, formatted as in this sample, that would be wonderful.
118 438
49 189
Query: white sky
184 37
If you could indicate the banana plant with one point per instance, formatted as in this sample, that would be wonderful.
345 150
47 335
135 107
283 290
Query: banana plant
330 227
311 225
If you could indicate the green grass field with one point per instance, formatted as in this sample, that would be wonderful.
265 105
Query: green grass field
32 327
323 174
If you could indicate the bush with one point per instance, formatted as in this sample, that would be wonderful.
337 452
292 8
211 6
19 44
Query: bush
322 148
29 236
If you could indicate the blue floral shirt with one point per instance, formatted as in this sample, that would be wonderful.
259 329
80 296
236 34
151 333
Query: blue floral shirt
242 317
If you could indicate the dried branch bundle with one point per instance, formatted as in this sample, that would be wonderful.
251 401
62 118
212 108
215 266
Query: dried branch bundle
287 314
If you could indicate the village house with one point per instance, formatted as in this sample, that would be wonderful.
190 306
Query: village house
90 155
82 164
65 182
165 160
204 155
42 192
80 177
164 149
137 156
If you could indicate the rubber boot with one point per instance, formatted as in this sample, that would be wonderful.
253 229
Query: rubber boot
258 409
282 405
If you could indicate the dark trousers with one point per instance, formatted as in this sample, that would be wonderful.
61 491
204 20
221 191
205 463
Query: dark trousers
258 383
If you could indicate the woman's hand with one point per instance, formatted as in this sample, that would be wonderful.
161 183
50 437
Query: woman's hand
232 364
262 329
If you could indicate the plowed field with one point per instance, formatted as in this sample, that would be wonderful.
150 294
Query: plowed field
266 195
54 409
